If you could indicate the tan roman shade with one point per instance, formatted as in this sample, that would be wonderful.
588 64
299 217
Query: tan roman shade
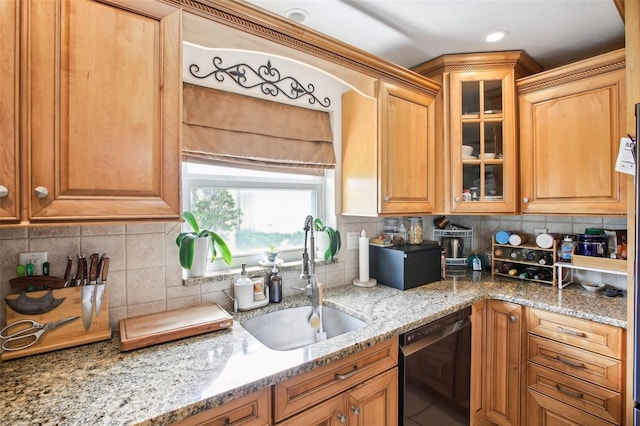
223 127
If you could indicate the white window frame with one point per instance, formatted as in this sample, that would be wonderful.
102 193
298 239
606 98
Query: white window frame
319 185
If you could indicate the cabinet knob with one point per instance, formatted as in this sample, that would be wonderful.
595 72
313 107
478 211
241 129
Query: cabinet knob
513 318
525 200
457 199
41 192
356 410
386 199
342 418
4 191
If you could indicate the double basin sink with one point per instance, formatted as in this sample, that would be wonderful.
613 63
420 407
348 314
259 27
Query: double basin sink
289 328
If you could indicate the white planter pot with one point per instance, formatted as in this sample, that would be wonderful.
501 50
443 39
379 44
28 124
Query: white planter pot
322 244
200 258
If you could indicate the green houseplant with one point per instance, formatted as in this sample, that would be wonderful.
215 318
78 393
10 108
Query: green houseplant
334 243
199 246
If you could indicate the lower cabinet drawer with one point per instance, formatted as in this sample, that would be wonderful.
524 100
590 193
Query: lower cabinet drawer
576 362
249 410
544 411
593 399
301 392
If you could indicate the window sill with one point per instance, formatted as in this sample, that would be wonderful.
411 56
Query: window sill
253 271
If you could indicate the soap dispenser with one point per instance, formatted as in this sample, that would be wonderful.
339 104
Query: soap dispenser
245 293
275 286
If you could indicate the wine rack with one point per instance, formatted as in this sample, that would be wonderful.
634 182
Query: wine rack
523 262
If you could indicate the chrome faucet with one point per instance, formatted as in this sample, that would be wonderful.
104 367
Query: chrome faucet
309 265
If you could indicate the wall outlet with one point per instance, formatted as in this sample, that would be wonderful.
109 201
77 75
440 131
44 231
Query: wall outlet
352 240
35 257
539 231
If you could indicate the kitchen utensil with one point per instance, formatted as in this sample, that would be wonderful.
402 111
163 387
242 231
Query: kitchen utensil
36 282
453 246
67 272
88 296
93 268
23 338
103 271
77 278
85 271
34 305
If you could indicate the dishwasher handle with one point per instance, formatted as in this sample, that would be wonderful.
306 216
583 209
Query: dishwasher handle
430 339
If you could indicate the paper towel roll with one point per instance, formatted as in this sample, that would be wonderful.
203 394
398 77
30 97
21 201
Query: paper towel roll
364 257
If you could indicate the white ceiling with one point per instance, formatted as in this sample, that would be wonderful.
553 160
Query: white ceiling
409 32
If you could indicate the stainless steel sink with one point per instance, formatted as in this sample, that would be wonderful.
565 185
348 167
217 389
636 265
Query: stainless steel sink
289 328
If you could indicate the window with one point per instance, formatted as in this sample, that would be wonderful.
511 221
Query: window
252 210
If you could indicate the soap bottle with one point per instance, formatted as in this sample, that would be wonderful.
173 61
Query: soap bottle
275 286
566 249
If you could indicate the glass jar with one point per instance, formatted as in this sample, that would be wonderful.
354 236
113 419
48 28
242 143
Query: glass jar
415 230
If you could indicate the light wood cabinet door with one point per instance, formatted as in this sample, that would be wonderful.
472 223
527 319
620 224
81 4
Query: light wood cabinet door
388 152
478 362
504 362
9 108
483 117
407 151
571 121
102 87
375 402
249 410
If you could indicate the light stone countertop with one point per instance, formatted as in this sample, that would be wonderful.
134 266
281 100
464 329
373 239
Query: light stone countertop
97 384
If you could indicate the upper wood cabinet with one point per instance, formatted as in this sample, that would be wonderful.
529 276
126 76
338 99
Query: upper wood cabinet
9 107
388 152
101 96
477 109
571 121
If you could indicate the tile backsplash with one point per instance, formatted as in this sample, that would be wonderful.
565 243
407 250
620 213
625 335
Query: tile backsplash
145 275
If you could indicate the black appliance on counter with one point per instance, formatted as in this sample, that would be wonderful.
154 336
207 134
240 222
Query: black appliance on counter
434 367
406 266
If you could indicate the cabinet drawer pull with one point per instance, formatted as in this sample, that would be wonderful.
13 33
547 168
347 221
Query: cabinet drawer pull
356 410
571 363
347 375
578 395
342 418
571 332
513 318
4 191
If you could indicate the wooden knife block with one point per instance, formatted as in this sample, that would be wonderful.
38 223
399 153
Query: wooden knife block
65 336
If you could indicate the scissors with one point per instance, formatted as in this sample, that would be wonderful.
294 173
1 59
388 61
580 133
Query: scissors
28 336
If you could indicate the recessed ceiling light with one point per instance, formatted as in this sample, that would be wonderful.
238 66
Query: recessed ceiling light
298 15
495 36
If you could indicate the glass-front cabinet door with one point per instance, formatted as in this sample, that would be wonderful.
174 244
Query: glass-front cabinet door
483 147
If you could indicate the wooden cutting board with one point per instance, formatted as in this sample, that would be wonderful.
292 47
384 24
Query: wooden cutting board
147 330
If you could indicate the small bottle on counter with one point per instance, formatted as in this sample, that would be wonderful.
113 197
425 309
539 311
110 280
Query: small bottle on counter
566 249
275 286
546 259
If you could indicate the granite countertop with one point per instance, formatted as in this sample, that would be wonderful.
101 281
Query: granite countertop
98 384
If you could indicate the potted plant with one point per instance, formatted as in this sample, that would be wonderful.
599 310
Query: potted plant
199 246
333 242
272 253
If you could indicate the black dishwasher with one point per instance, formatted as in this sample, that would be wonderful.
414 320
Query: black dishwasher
435 365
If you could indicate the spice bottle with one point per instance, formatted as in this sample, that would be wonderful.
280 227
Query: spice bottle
275 286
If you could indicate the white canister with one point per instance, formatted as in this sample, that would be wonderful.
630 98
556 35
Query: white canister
517 239
546 240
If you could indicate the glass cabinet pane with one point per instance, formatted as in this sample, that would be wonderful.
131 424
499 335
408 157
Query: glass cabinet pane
493 138
470 97
493 97
471 137
493 182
